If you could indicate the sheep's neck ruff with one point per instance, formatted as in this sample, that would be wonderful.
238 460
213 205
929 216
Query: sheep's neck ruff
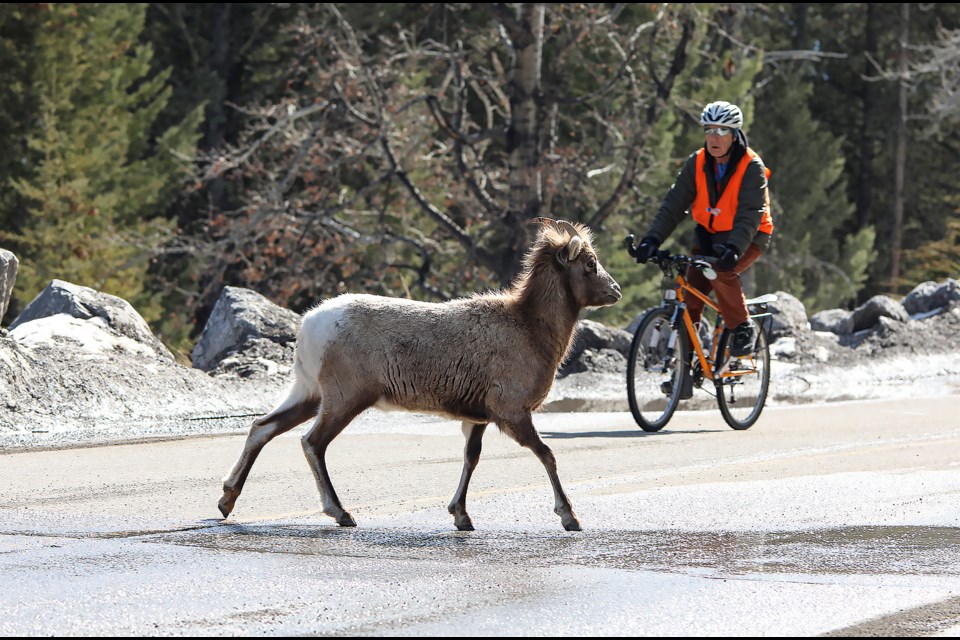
547 306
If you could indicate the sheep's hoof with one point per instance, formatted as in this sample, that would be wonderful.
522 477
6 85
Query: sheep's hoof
569 520
226 503
460 518
464 523
346 520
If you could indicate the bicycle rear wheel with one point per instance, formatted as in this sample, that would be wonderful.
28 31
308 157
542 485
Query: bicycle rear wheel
651 364
743 385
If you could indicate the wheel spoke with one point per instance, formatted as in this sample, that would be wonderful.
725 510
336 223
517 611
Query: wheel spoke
742 389
654 370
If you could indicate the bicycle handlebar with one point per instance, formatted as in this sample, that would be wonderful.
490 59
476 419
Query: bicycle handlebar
664 259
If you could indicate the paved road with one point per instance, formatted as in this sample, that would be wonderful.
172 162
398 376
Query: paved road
840 518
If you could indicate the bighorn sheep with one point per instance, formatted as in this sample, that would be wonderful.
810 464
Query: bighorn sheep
480 359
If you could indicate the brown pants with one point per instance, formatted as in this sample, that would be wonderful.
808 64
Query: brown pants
730 298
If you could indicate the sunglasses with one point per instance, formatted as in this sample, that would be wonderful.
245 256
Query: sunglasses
717 131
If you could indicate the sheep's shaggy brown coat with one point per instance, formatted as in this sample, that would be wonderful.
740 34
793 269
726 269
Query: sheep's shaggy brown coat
485 358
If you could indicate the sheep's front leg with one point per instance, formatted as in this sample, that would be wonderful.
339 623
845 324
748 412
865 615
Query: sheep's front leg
327 427
471 455
525 433
263 431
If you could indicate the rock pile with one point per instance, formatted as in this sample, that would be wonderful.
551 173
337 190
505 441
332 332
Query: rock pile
78 360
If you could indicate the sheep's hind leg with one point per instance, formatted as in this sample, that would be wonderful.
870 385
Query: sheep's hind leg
471 455
327 426
525 433
263 431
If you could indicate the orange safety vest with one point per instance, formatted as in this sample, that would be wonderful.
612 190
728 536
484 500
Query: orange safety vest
720 217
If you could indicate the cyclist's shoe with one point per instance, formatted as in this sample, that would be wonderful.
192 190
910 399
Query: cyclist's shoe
686 391
744 339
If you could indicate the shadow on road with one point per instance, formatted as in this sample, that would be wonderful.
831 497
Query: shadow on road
636 433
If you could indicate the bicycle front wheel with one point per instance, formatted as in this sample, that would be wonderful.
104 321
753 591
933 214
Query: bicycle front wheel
654 370
742 386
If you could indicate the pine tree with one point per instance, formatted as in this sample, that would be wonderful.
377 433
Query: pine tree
99 180
18 31
810 257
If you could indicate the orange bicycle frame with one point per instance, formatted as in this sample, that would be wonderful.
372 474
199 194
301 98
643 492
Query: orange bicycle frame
692 333
694 336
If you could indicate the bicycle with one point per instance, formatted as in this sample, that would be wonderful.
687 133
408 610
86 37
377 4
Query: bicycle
667 347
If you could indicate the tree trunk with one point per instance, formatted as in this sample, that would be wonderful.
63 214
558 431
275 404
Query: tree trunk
901 161
868 125
220 66
800 10
524 134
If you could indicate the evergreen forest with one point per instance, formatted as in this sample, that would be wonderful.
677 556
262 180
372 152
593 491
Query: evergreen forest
160 152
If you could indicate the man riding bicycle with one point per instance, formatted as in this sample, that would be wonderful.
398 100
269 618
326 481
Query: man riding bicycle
724 186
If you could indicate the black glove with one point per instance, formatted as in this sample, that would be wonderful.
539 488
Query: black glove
729 256
647 249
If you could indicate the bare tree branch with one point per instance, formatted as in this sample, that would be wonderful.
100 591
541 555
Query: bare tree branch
456 230
221 164
462 168
624 70
423 270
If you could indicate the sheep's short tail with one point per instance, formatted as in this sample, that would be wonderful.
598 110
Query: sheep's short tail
301 402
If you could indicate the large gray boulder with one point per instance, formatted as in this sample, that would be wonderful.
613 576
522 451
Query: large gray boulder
597 344
110 313
868 315
595 336
789 316
246 335
930 296
8 275
838 321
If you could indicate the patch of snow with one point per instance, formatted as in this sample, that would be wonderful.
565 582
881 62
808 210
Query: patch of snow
91 335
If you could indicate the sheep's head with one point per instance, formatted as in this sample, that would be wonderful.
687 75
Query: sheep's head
571 245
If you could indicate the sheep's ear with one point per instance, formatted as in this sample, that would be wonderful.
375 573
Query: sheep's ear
570 252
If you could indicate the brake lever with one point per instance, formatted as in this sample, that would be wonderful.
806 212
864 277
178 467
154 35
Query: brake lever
632 250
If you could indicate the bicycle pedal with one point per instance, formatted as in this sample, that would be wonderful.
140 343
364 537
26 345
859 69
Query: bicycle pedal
686 391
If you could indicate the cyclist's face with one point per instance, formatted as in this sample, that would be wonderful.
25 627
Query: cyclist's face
718 145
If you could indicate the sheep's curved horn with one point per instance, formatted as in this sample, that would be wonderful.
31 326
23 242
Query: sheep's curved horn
548 221
569 228
576 242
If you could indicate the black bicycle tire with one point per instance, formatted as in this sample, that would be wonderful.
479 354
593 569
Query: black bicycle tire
674 400
763 349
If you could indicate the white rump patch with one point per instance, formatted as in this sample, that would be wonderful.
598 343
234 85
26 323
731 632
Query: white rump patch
321 327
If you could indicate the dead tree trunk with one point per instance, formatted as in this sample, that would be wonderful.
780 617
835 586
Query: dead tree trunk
901 160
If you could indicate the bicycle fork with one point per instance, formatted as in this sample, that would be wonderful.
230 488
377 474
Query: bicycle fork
671 338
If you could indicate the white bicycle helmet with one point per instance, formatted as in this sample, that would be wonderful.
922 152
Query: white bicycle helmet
722 114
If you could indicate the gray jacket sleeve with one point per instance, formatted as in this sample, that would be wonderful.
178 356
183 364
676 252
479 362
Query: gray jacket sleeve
751 202
677 201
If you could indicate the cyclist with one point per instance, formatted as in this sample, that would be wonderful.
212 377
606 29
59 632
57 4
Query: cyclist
724 186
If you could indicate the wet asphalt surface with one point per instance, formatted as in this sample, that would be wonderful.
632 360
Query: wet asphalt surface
836 519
